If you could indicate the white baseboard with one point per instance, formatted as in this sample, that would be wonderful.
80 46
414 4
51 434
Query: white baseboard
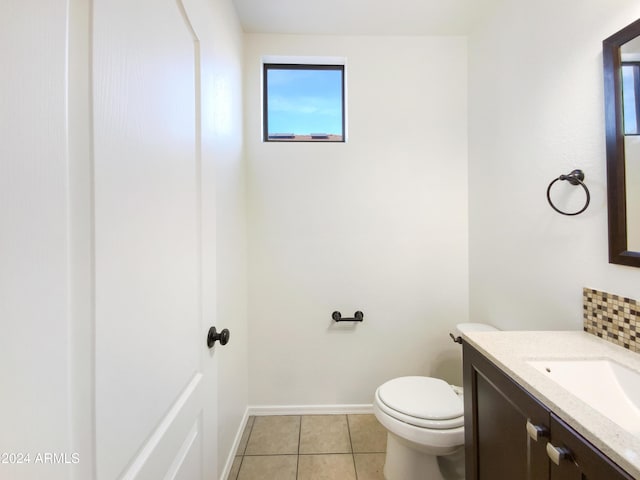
236 443
261 410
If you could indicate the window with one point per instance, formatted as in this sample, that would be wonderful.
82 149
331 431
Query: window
303 103
631 97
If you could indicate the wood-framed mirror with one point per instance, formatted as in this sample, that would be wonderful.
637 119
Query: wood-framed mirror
621 60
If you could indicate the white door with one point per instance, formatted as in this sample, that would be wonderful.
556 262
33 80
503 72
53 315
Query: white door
154 375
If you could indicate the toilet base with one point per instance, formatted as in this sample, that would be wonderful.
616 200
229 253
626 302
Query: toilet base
405 463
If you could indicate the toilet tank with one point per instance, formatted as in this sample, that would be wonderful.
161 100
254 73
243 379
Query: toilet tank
463 328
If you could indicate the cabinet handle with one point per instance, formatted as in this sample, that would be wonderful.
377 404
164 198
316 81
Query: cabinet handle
557 453
536 431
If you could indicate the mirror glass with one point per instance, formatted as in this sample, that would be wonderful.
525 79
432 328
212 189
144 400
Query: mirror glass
621 58
630 58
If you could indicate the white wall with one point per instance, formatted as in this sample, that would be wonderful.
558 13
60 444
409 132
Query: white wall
378 224
535 112
223 82
632 180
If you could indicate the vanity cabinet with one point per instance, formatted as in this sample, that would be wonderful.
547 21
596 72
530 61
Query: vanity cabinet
509 434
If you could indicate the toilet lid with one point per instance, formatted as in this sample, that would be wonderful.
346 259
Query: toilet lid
422 397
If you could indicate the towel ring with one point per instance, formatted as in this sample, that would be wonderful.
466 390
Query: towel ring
574 178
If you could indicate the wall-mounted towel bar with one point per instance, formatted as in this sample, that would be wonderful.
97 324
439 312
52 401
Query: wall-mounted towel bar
357 317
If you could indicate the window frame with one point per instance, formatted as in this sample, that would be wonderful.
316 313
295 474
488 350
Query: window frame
274 65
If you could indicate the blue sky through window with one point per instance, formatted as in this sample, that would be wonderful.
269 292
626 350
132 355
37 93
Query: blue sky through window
304 101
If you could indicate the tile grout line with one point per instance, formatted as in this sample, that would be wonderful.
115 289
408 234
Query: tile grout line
298 452
239 468
298 455
353 455
253 423
244 450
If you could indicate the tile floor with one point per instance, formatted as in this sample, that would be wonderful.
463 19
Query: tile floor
311 447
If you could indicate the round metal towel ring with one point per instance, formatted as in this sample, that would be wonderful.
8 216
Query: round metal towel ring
574 178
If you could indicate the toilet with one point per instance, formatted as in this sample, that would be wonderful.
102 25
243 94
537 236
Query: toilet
424 418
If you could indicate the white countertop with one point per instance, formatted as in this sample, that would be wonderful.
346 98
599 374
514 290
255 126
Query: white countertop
512 350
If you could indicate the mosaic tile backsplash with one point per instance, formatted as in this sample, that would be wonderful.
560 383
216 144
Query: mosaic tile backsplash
611 317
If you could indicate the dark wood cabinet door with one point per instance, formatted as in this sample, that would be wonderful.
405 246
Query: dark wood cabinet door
497 410
498 444
583 461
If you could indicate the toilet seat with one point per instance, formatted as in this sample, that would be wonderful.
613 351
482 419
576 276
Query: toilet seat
422 402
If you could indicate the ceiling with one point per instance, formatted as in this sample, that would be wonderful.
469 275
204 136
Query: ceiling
358 17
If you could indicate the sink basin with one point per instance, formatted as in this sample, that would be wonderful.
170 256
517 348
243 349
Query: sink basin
606 386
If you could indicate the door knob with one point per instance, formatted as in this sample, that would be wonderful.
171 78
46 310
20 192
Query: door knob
213 335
